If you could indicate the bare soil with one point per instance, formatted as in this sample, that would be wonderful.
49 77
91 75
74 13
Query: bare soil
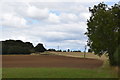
15 61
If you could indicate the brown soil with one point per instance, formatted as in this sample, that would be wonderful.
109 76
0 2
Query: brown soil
14 61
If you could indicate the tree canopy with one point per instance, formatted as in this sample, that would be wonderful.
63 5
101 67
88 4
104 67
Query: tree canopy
19 47
40 48
103 30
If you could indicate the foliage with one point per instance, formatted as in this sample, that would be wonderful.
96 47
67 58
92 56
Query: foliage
18 47
51 50
68 50
40 48
76 51
89 50
64 51
103 30
59 51
117 55
0 47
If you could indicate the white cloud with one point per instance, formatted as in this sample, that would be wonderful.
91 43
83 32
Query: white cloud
37 13
53 18
68 17
83 16
9 19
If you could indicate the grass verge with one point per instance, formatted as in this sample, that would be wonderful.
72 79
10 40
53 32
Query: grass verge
56 73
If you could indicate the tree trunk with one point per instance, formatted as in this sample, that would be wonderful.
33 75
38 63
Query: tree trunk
112 59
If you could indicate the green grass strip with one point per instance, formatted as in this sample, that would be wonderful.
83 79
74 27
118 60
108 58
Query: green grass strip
55 73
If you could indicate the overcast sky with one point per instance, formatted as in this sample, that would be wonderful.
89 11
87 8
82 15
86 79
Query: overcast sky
51 22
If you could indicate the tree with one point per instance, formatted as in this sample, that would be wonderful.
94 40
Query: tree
117 56
103 30
16 47
0 47
64 51
51 50
40 48
68 50
89 50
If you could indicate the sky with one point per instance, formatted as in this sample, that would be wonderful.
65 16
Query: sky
50 22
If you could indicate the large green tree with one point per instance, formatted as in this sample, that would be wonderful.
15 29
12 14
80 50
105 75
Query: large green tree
104 30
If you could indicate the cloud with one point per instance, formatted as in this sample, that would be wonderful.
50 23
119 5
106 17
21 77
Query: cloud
68 17
53 18
37 13
9 19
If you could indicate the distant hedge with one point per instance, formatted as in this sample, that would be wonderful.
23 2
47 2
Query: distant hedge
19 47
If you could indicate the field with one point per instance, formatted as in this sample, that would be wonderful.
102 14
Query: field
49 61
56 73
53 66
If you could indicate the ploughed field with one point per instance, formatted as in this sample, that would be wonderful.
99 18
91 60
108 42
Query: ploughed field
20 61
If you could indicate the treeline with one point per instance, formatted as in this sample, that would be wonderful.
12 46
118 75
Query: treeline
20 47
64 50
